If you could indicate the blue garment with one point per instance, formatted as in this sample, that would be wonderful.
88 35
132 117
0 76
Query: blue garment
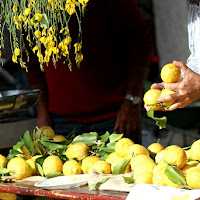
65 127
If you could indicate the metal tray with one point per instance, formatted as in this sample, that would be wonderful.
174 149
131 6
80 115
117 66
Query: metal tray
17 100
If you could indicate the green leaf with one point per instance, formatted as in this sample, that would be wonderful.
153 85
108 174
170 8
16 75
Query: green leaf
44 21
39 167
105 137
110 147
4 171
13 153
87 138
53 174
103 154
115 137
26 138
161 122
39 162
120 167
174 176
97 185
128 180
53 145
93 186
18 145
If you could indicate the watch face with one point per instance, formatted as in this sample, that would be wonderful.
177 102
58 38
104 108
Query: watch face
134 99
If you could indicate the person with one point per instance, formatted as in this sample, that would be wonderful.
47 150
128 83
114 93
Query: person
97 97
188 88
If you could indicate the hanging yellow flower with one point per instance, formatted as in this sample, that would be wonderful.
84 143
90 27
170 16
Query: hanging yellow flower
45 23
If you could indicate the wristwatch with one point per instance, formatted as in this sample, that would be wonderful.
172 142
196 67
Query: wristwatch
135 100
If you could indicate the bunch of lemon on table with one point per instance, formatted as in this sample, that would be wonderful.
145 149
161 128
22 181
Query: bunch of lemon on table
50 155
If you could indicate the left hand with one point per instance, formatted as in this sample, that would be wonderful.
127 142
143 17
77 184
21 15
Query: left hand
129 120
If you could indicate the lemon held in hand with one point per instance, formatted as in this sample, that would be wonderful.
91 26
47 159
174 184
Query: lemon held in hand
170 73
151 99
166 92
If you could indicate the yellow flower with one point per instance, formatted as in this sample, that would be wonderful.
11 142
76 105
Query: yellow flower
0 53
70 8
15 8
17 51
44 32
78 47
18 26
20 17
35 49
14 58
38 34
67 40
15 20
27 11
79 58
43 40
46 58
38 17
28 38
55 50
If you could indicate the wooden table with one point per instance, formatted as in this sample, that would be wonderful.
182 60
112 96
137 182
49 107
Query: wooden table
82 193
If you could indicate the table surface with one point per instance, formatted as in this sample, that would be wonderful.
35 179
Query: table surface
82 193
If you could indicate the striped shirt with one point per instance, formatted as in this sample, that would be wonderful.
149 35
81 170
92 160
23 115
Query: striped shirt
193 62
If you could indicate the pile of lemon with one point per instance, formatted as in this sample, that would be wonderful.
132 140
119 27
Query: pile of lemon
170 73
147 165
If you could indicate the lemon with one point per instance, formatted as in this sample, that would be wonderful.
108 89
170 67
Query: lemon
160 165
32 163
151 97
3 161
46 130
155 148
7 196
59 138
159 176
135 150
193 177
144 177
26 152
195 150
138 159
189 165
175 155
77 150
88 163
113 157
159 156
102 167
188 154
121 146
19 168
166 92
143 167
170 73
52 164
71 167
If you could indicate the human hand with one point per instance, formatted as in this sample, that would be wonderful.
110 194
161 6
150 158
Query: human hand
187 89
44 120
129 120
